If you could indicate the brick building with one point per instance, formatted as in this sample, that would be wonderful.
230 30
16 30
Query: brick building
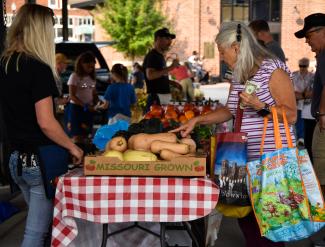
80 22
196 23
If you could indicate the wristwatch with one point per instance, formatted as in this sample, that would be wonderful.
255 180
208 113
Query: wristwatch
264 111
318 114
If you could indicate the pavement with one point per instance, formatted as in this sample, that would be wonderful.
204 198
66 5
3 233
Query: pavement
11 231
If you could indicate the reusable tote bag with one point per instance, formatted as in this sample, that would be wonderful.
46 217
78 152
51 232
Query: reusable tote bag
313 190
277 192
229 164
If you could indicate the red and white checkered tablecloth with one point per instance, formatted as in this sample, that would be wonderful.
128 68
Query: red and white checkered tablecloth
105 199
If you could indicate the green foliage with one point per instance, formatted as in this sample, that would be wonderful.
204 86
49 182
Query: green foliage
131 23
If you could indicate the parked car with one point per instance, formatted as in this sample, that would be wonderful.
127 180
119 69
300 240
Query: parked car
73 49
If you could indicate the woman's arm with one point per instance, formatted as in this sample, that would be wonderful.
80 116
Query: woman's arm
220 115
53 130
282 91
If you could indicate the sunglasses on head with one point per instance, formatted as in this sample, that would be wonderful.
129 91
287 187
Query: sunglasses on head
302 66
238 33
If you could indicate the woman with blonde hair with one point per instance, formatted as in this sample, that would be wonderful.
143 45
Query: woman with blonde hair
251 63
27 89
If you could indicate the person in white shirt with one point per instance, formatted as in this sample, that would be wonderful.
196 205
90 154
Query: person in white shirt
303 80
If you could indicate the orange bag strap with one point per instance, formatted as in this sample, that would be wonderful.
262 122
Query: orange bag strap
263 135
277 136
286 126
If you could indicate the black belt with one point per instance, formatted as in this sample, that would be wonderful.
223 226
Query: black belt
26 160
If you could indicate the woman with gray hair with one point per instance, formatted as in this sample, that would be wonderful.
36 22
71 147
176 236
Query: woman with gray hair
251 64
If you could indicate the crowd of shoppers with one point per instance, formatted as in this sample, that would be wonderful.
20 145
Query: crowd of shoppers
30 72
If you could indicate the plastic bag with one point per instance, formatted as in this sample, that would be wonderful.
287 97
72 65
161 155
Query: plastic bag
106 132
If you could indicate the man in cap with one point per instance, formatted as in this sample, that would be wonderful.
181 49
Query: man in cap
262 33
156 70
314 33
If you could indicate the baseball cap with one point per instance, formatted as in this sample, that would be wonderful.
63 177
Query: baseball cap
164 32
313 20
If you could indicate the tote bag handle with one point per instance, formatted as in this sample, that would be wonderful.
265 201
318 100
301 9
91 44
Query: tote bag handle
277 136
238 117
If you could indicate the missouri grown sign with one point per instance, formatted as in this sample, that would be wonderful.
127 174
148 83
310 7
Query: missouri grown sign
194 166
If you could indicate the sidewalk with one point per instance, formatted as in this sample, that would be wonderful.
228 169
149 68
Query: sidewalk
11 231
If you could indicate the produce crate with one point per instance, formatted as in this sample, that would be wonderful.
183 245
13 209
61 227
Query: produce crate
187 166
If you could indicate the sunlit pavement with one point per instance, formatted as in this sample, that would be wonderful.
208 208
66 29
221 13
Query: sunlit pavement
11 231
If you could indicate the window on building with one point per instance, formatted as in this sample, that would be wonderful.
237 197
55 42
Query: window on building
208 49
268 10
235 10
70 31
53 4
80 21
70 21
59 32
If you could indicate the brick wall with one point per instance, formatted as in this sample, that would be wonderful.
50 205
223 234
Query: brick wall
184 16
45 3
196 22
292 21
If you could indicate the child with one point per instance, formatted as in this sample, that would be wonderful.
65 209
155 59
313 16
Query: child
119 96
83 97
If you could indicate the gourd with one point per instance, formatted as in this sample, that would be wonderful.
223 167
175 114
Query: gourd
118 143
189 142
143 141
169 155
181 148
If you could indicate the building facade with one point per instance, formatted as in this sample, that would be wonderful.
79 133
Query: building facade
196 23
80 22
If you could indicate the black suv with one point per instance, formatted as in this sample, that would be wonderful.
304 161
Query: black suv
73 49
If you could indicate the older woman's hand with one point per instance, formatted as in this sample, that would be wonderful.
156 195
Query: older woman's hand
251 100
186 128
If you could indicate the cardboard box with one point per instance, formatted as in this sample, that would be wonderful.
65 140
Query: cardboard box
187 166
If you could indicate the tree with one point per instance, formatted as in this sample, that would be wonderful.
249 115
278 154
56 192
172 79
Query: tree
131 23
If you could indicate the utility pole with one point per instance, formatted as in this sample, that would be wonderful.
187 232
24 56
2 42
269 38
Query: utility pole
3 20
65 31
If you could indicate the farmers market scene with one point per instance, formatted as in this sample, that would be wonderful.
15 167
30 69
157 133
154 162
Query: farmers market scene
162 123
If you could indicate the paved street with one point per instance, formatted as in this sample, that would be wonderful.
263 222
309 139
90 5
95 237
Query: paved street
11 232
